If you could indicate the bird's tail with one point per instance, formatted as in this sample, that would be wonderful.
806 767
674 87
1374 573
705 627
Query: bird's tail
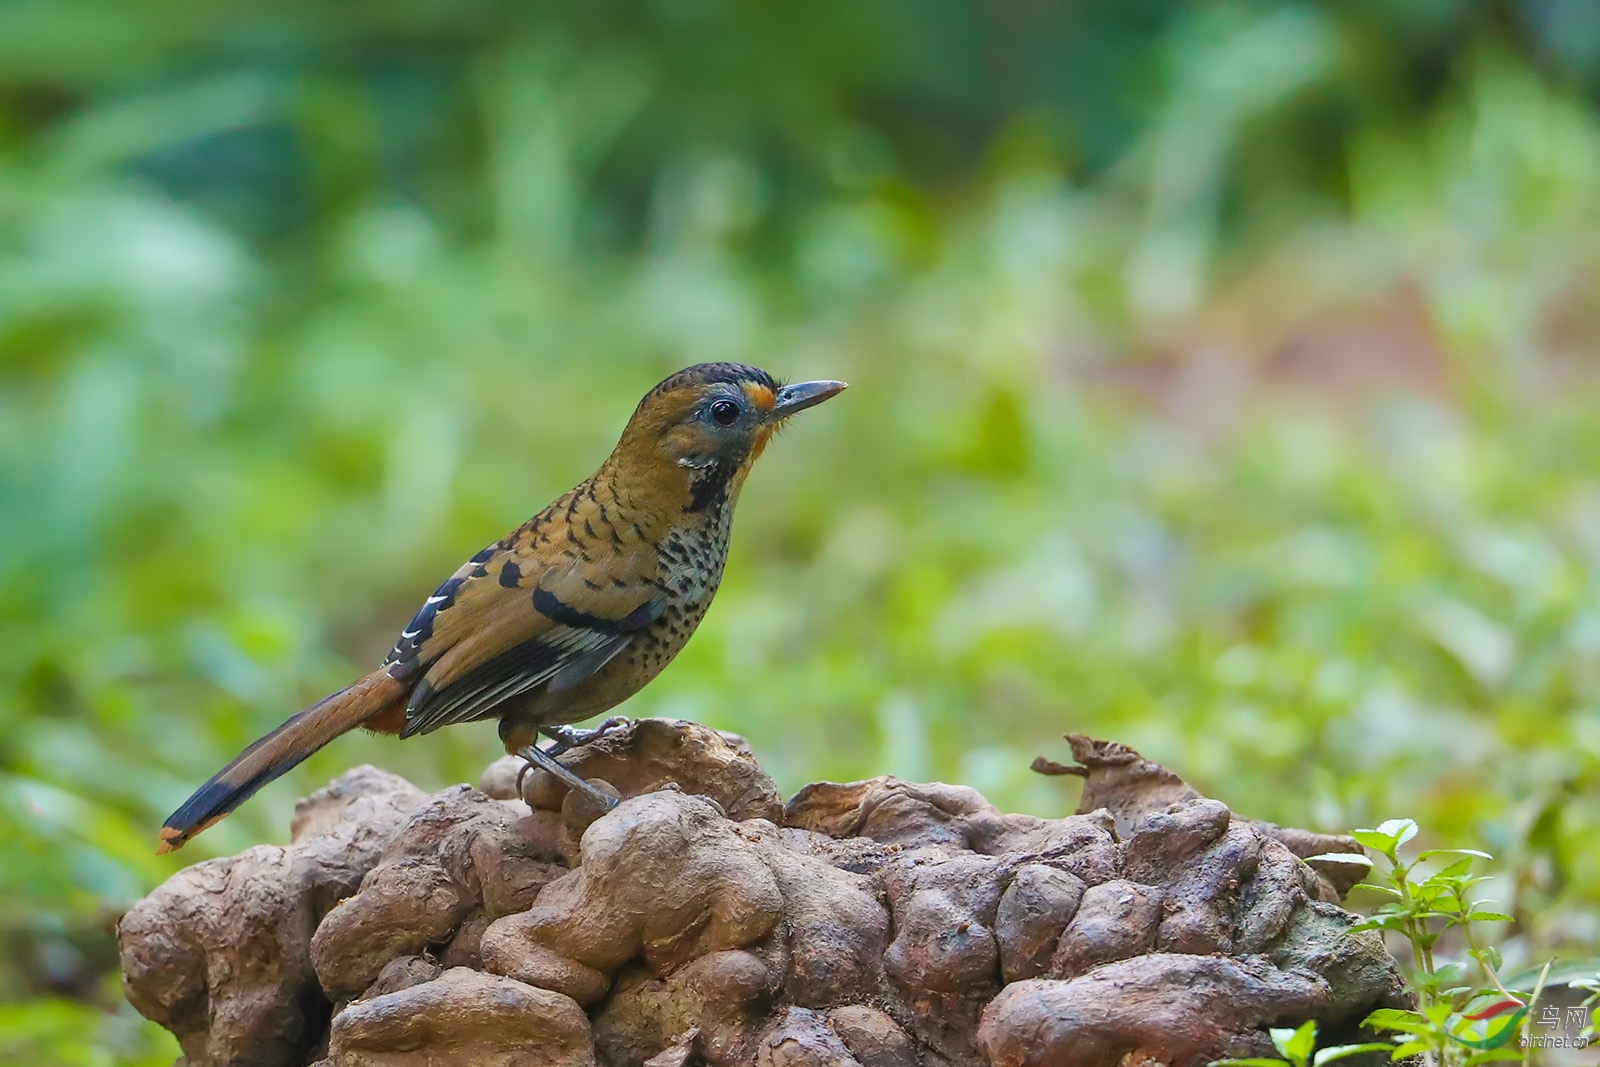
280 751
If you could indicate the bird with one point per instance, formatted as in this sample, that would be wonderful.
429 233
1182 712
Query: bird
570 614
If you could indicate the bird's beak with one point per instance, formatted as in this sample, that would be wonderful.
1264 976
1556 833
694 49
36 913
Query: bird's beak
802 395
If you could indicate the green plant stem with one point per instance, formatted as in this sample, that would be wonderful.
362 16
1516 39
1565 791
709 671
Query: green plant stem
1415 931
1473 947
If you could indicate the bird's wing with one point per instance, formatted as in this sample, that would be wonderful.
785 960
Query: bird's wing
507 623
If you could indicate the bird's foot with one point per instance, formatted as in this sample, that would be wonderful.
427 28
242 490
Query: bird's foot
567 738
546 761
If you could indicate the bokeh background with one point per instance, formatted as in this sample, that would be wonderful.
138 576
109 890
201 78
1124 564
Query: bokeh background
1224 381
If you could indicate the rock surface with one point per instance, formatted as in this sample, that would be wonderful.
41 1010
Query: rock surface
703 923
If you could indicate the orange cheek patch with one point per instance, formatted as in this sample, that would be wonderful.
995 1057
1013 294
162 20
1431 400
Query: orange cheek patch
760 396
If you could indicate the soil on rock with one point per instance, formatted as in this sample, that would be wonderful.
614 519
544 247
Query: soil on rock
704 922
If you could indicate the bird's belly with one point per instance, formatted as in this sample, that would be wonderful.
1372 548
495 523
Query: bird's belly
691 570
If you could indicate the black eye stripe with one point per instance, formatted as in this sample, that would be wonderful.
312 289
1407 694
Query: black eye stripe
725 412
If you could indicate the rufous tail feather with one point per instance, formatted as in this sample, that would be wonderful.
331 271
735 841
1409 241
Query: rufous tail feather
278 752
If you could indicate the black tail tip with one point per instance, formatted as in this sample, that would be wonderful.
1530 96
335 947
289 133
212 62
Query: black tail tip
210 804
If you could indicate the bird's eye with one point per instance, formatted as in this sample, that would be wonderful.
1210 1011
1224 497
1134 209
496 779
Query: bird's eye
725 412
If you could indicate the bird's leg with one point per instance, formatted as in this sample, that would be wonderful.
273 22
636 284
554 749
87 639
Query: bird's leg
570 737
565 738
535 755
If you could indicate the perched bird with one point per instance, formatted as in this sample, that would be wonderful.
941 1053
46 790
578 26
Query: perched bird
573 612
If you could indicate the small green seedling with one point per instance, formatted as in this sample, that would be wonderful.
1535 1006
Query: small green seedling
1298 1047
1456 1022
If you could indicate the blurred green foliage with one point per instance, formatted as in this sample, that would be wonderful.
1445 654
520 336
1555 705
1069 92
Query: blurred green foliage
1223 383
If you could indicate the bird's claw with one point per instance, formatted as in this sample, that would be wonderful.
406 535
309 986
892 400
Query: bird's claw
567 738
545 761
564 739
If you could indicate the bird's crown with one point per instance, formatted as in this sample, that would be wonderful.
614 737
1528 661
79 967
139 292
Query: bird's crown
702 375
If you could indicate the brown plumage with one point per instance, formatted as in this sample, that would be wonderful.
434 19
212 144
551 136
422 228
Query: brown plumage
573 612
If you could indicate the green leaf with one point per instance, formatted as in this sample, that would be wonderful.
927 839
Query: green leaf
1372 887
1428 984
1451 873
1389 1016
1249 1063
1562 972
1410 1048
1352 858
1489 917
1397 1021
1339 1052
1432 852
1296 1044
1402 830
1377 839
1431 893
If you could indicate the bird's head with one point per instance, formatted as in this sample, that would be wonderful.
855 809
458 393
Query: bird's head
701 429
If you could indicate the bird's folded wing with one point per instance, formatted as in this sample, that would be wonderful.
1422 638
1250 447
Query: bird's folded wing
479 692
505 624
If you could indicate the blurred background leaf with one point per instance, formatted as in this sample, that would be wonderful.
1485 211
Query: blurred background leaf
1223 383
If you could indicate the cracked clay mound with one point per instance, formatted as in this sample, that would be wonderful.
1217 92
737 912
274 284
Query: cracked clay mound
704 922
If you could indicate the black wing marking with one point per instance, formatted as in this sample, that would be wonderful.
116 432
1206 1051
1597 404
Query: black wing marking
478 693
402 660
561 658
551 607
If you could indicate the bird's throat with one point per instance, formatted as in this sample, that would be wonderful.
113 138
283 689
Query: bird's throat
715 484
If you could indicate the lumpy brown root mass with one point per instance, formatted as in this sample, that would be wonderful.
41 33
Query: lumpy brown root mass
704 922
